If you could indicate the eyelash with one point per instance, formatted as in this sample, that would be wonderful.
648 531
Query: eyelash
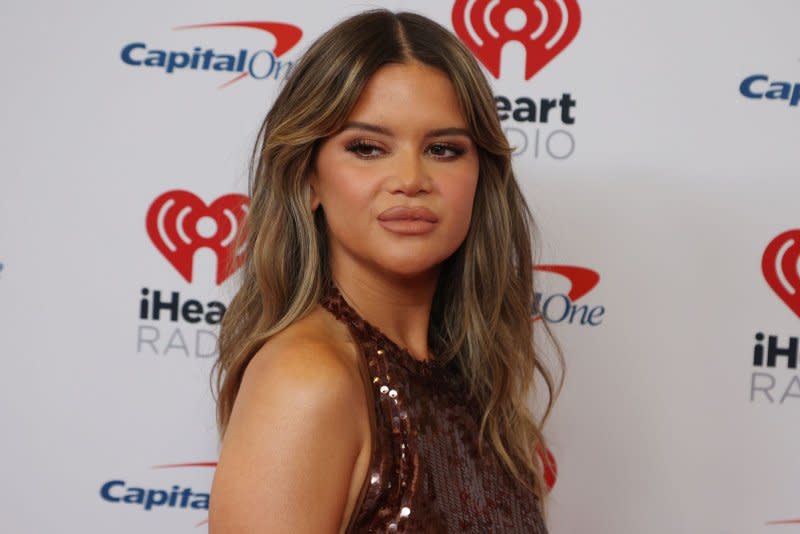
361 144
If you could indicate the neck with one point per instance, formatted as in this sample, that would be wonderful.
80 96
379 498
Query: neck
400 307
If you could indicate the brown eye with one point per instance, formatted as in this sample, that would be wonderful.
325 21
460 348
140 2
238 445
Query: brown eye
445 151
364 149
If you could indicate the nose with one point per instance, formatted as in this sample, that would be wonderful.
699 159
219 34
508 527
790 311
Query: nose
410 175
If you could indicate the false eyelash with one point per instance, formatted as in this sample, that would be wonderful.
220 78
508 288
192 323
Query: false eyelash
357 144
457 150
361 143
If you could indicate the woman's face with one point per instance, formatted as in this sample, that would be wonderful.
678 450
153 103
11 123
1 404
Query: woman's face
397 183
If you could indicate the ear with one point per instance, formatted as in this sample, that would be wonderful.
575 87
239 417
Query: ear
312 185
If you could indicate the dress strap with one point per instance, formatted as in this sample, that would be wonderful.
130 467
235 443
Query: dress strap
370 337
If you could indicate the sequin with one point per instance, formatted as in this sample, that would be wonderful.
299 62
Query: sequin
427 474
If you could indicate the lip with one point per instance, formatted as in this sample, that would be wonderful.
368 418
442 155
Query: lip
408 221
403 213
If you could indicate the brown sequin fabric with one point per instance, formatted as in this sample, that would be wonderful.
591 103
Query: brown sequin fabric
426 474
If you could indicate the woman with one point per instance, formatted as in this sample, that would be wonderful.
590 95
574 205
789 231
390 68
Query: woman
375 365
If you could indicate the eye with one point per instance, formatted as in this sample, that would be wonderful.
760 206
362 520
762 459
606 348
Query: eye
364 149
445 151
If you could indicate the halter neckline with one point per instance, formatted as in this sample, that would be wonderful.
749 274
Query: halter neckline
334 302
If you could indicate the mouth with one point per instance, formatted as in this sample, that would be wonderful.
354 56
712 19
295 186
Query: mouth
402 213
408 221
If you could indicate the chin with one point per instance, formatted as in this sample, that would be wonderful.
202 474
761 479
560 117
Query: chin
412 266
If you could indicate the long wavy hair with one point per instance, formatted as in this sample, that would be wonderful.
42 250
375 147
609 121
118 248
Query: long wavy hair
481 312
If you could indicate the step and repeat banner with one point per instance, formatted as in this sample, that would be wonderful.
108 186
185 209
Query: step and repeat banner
658 144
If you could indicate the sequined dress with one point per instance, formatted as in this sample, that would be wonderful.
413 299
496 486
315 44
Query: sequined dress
426 474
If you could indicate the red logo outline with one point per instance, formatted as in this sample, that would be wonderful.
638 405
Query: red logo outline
549 466
581 279
172 221
286 36
784 522
780 265
550 25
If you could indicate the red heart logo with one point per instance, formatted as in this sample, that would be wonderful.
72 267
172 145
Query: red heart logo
780 267
179 223
550 469
544 28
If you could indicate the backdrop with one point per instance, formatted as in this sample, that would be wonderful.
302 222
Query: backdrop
657 143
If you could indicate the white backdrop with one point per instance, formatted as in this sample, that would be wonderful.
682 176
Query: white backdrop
666 176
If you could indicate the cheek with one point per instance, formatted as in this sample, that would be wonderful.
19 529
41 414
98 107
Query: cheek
346 199
338 183
461 196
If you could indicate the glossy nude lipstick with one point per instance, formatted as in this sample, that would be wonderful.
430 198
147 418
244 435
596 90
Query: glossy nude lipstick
408 220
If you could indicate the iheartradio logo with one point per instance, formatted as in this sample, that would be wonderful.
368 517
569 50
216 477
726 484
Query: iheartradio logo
179 223
543 27
549 467
781 268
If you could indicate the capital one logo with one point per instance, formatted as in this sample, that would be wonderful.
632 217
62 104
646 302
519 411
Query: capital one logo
120 491
179 223
562 307
543 27
781 267
259 64
582 280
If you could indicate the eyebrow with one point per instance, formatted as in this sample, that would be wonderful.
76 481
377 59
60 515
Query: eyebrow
386 131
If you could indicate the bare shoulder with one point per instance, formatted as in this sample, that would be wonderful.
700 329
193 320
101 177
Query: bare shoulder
291 444
306 359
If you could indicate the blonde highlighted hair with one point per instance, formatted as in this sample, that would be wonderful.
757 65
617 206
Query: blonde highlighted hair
481 313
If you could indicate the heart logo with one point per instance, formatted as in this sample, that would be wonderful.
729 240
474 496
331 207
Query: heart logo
544 28
780 267
550 469
179 223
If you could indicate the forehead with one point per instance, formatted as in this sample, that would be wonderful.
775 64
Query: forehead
409 94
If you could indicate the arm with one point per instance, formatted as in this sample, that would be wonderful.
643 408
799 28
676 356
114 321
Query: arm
288 453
